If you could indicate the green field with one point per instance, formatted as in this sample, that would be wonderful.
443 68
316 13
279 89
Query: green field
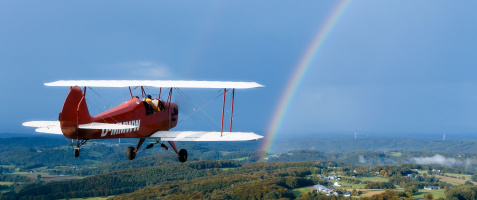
346 185
467 177
298 191
396 154
450 182
6 183
420 172
436 193
241 159
92 198
372 178
224 153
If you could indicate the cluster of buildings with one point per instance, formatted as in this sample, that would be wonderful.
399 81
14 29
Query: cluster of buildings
328 191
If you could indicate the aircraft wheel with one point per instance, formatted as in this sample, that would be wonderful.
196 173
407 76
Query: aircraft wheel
77 151
130 153
182 155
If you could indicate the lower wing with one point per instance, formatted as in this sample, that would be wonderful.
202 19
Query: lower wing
204 136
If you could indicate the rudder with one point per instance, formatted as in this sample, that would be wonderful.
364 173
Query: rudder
74 112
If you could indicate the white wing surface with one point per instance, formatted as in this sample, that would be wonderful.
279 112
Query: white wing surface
96 125
156 83
52 127
204 136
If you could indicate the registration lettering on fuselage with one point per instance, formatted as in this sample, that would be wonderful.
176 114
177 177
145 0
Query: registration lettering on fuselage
136 123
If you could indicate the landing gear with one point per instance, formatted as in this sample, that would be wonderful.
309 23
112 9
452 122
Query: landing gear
77 151
130 153
77 147
182 155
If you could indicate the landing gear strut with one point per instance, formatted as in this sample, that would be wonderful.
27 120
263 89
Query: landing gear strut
131 152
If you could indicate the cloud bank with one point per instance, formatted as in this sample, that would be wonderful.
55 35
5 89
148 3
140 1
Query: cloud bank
441 160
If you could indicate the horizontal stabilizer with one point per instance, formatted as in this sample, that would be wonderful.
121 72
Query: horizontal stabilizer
203 136
95 125
156 83
52 127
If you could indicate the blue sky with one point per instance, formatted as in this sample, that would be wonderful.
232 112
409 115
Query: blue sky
387 66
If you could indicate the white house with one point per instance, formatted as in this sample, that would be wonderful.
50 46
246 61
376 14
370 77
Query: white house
431 187
321 188
347 194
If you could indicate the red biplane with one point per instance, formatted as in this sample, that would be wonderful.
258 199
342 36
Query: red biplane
144 118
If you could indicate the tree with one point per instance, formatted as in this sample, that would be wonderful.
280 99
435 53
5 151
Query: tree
474 178
412 189
38 177
428 196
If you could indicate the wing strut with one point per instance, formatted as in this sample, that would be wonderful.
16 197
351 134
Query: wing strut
232 112
169 99
223 109
143 93
160 91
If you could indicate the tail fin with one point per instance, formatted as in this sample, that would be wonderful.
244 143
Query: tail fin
74 112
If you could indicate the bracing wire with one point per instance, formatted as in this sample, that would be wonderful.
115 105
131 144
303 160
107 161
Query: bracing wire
199 108
108 106
208 122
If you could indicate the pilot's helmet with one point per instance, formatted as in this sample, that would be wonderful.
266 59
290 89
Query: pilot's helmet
149 96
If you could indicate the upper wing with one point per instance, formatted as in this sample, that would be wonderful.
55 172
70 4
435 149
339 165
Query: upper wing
156 83
54 126
204 136
45 126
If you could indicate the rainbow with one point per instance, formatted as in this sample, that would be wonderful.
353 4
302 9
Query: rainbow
300 70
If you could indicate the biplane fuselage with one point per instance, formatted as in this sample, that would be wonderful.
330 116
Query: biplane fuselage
144 115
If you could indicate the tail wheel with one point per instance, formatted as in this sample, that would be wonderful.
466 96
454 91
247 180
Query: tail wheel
182 155
77 152
130 153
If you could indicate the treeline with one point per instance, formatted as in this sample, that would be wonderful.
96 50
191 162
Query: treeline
380 185
16 178
32 152
196 180
250 181
121 181
461 192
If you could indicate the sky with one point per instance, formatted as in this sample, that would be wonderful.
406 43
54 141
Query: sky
385 66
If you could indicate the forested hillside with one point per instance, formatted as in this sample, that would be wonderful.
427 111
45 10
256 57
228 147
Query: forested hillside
38 168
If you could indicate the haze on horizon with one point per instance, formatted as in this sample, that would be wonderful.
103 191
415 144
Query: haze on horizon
385 67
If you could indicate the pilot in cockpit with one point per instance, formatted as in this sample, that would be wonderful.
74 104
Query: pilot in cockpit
157 103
